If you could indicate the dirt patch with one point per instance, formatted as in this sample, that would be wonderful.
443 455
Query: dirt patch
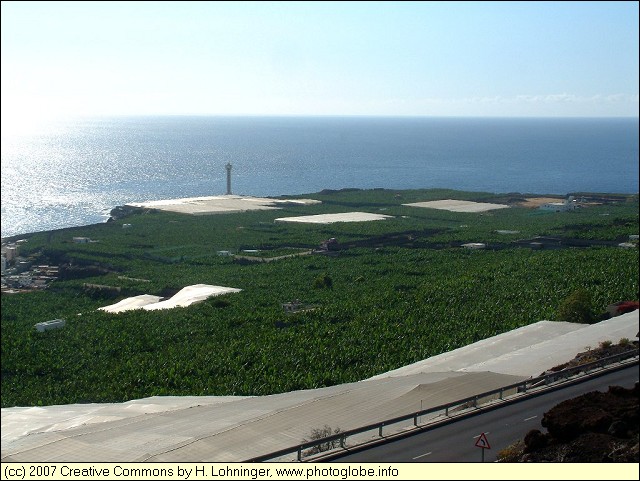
590 355
535 202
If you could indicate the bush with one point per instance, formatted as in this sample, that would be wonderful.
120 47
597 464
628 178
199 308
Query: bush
321 433
323 281
577 308
512 453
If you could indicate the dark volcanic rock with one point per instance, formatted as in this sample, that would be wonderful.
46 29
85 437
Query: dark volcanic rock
534 440
595 427
123 211
591 412
618 429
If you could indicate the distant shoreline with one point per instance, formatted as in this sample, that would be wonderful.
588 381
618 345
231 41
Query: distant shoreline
613 196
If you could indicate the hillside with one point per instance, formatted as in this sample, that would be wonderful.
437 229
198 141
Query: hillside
596 427
390 293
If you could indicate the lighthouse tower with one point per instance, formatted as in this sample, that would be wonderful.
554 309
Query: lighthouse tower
228 166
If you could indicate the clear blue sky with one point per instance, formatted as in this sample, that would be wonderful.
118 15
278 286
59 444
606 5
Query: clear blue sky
319 58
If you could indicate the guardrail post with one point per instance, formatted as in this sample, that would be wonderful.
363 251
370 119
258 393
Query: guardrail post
522 386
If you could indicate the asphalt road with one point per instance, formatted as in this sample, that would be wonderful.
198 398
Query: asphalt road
455 442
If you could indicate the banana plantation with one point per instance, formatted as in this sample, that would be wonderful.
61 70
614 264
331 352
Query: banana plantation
387 294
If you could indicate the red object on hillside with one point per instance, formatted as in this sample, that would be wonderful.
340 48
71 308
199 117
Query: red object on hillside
622 307
627 306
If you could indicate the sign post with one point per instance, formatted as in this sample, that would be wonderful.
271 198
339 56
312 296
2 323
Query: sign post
483 443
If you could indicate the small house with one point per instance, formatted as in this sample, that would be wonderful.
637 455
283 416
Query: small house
47 325
568 204
329 245
292 306
474 245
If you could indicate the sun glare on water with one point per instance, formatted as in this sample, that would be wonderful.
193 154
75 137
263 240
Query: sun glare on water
27 118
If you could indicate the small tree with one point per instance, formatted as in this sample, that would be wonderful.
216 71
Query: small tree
577 308
321 433
323 281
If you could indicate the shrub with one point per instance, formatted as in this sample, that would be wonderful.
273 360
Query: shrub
323 281
512 453
577 308
320 433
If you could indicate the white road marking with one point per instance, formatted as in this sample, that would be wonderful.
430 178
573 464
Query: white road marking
487 432
423 455
532 417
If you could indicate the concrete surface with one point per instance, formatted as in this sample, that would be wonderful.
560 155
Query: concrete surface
331 218
220 204
185 297
130 303
458 205
207 429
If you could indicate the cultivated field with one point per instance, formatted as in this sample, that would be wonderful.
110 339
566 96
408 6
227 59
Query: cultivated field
385 294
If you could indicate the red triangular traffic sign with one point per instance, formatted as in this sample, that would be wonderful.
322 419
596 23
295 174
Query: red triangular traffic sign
483 442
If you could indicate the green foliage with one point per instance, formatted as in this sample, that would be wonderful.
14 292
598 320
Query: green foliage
323 282
401 292
577 308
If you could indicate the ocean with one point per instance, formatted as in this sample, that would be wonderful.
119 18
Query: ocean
73 173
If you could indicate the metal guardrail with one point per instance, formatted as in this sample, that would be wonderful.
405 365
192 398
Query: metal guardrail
340 439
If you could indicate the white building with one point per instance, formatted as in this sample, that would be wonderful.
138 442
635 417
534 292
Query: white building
568 204
9 252
47 325
474 245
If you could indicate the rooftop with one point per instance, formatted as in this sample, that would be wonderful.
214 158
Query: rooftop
331 218
458 205
219 204
236 428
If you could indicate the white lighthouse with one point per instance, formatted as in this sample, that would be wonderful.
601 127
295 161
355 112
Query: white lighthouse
228 166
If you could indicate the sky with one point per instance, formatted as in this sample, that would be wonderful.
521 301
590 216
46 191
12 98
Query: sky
493 59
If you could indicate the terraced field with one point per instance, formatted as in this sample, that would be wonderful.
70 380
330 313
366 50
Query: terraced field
392 292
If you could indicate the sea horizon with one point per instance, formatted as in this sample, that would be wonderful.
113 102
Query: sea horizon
77 171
